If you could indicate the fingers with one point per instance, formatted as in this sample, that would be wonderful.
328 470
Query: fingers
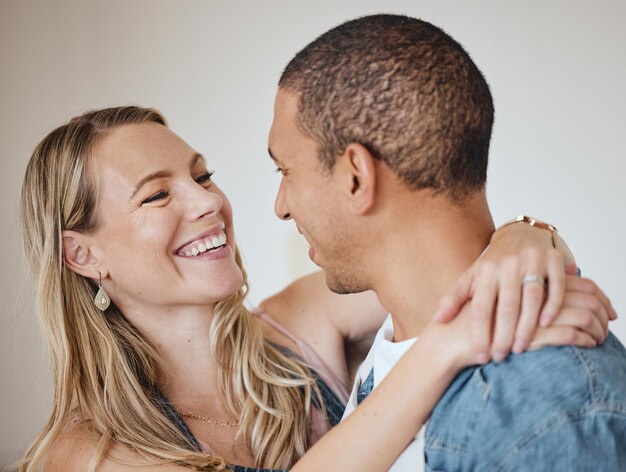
571 269
451 303
561 336
591 304
581 284
532 301
575 307
556 287
483 300
507 311
607 304
582 319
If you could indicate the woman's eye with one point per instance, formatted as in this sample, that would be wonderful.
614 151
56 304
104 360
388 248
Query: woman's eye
281 171
206 177
157 196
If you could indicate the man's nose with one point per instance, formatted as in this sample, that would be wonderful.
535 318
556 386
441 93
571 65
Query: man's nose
280 205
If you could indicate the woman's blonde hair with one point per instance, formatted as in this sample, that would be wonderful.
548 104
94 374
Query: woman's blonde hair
105 372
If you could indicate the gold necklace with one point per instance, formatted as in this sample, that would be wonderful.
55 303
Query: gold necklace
208 419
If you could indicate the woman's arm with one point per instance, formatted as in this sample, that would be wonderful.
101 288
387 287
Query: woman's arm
339 325
340 328
377 432
354 316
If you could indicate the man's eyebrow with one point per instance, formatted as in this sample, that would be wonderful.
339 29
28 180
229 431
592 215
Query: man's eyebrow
164 173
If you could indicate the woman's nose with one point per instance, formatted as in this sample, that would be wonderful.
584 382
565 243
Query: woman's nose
203 202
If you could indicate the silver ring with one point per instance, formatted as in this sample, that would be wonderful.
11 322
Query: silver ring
529 279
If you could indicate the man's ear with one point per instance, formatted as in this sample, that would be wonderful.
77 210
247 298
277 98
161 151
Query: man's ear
78 256
359 175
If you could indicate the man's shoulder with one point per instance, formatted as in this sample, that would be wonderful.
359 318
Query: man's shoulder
501 407
563 376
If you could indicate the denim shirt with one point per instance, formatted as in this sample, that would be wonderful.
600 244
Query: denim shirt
555 409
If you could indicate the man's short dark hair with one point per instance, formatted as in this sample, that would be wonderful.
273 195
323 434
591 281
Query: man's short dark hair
405 90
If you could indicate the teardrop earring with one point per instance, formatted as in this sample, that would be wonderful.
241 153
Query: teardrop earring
101 300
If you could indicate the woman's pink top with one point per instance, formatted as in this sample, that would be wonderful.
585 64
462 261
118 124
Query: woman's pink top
319 423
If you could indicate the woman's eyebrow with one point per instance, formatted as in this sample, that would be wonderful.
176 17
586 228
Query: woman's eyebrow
164 173
155 175
195 158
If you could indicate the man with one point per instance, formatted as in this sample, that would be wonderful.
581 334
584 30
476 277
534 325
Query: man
381 131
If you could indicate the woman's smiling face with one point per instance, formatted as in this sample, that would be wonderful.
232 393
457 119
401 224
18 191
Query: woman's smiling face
165 236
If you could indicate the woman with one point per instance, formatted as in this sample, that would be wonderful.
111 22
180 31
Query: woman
165 366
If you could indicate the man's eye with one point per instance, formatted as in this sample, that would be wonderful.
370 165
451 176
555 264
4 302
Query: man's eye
202 178
157 196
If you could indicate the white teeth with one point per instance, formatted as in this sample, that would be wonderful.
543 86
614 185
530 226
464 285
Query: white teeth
210 242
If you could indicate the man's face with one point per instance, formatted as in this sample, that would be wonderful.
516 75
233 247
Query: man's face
311 196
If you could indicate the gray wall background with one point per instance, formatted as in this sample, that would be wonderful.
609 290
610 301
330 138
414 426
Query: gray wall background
556 69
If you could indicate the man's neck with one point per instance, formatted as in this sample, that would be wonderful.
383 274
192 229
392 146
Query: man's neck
429 248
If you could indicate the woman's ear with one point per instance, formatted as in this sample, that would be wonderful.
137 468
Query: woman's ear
359 169
78 256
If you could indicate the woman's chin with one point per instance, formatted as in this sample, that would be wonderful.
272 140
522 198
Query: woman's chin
227 285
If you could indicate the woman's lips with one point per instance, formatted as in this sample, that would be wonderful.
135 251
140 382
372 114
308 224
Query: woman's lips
211 254
209 243
209 239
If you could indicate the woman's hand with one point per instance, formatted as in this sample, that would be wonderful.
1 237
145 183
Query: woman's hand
494 284
525 274
583 320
